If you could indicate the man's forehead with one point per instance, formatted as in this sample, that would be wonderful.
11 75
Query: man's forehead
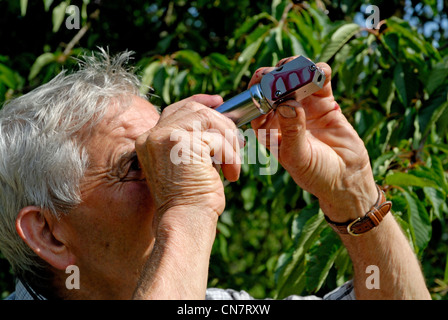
139 113
116 133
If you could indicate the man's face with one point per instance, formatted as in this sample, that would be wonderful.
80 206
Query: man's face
110 233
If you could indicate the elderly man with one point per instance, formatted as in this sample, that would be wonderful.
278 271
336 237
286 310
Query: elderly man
86 179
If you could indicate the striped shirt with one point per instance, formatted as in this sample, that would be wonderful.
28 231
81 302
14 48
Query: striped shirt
344 292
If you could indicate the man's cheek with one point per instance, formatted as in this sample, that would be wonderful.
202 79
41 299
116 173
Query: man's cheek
138 199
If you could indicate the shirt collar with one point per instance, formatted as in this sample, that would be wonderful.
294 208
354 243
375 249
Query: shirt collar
25 292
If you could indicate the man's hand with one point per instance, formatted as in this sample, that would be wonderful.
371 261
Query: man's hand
321 150
325 156
177 156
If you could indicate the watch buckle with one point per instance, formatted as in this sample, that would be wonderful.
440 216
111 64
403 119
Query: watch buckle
349 228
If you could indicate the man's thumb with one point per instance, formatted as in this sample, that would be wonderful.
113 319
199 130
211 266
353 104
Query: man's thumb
292 121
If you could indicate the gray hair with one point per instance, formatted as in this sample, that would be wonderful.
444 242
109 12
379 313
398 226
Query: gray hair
42 159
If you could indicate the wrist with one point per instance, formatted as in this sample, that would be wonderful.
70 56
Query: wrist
177 267
350 201
370 220
186 224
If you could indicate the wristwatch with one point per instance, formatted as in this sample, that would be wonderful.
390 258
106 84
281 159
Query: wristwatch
363 224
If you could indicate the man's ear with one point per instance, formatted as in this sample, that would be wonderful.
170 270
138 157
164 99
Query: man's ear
36 228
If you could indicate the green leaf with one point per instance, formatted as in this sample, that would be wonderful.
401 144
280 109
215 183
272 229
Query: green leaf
400 83
179 82
322 257
47 4
261 32
221 61
439 172
436 77
278 31
166 90
245 60
249 194
159 81
249 52
412 39
418 219
406 83
343 265
350 72
8 77
301 220
381 164
386 93
250 23
41 62
319 19
432 110
437 200
275 4
84 15
23 7
148 76
390 41
433 173
304 33
59 15
405 180
404 225
222 228
368 123
191 59
292 280
445 277
340 37
297 48
295 282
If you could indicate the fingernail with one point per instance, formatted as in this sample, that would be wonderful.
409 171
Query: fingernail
287 112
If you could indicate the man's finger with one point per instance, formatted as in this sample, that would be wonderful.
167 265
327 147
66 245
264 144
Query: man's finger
256 78
326 89
292 122
204 99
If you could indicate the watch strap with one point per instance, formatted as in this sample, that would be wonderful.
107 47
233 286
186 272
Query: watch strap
363 224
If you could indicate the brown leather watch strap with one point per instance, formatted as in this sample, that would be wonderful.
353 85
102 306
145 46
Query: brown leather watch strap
372 218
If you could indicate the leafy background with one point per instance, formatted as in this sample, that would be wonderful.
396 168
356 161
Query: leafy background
391 82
